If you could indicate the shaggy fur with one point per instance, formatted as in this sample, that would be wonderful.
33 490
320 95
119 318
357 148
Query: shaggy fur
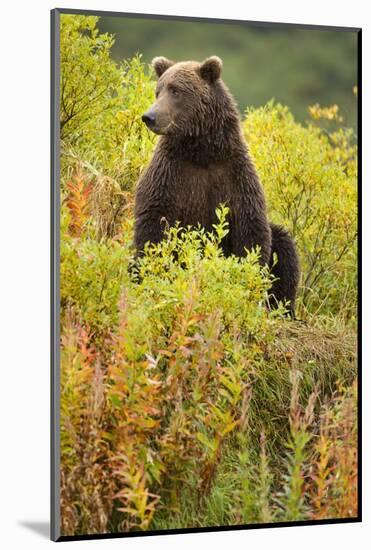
200 161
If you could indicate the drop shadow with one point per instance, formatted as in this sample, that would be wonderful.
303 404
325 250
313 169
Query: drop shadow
42 528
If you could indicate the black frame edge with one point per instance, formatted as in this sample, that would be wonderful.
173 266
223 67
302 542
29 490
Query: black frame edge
359 268
205 19
214 529
55 283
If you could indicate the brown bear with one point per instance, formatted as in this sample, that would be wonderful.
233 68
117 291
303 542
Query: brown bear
200 161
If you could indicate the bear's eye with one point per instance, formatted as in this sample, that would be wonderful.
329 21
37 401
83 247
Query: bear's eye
174 91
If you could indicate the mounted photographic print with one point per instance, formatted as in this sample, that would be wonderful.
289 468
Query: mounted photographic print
205 292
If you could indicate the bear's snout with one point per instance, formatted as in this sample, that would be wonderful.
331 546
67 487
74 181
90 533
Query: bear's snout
149 119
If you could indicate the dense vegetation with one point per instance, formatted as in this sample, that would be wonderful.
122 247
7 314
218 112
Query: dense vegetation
185 402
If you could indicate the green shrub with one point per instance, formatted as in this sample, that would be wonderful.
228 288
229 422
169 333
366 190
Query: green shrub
102 104
310 179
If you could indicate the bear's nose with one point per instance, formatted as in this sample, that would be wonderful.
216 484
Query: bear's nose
149 119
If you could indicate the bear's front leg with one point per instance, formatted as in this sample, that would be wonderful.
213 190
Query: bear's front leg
154 203
150 224
149 228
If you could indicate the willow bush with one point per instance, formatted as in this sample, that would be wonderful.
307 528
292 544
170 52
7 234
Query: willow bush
310 178
102 104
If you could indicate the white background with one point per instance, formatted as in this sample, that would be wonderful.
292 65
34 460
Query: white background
24 286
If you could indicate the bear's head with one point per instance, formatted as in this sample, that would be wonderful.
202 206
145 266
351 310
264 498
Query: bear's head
190 96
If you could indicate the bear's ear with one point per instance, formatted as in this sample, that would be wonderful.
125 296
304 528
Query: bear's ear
161 64
211 68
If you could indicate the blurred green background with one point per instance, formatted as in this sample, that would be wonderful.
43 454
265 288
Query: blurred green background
297 67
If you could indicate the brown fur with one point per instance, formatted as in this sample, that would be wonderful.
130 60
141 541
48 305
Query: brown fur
200 161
